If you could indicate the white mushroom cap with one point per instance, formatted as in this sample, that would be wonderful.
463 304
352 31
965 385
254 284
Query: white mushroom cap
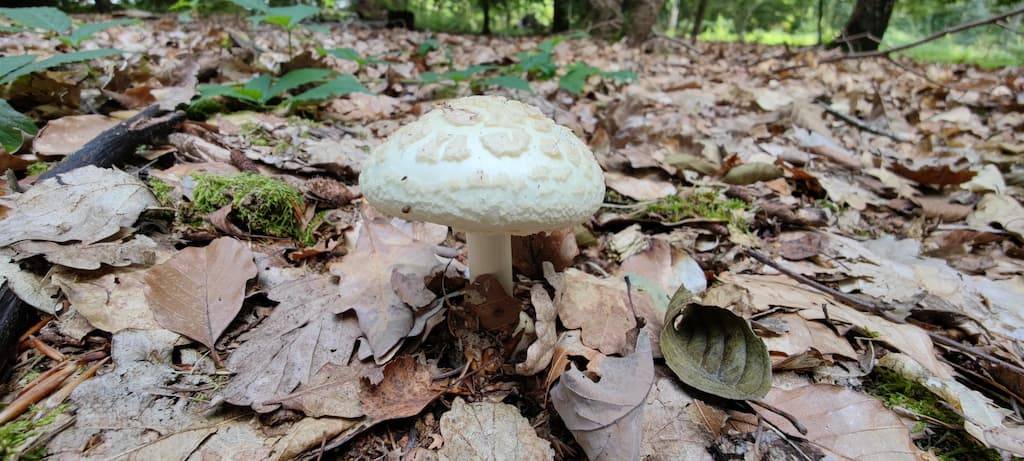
485 164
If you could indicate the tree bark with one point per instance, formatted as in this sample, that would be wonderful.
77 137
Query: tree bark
14 318
113 145
673 16
866 26
103 6
698 18
560 21
642 18
821 12
487 17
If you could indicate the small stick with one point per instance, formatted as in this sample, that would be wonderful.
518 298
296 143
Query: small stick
38 392
792 419
45 349
861 124
42 376
35 328
58 397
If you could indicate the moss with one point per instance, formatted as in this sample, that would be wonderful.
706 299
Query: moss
610 196
267 206
162 191
702 203
895 390
37 168
15 433
308 235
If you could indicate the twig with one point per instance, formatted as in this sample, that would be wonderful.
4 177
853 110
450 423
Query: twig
792 419
930 38
45 349
676 41
861 124
58 397
880 311
38 392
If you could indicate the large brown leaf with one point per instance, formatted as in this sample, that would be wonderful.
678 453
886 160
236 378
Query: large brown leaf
606 417
301 336
199 291
601 308
493 431
845 422
382 250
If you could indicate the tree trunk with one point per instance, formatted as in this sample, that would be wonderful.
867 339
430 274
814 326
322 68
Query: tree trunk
698 18
103 6
642 18
487 17
866 26
560 22
673 16
821 12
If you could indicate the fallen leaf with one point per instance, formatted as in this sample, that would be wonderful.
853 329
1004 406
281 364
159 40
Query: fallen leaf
798 245
714 350
674 427
404 391
301 335
557 247
599 307
488 301
803 335
111 300
749 173
30 288
539 354
66 135
366 272
606 417
490 431
199 291
140 250
88 204
639 188
935 175
668 266
941 208
332 391
770 100
993 208
846 423
570 345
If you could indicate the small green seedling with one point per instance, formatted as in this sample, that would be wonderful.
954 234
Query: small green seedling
285 17
54 21
349 54
427 46
578 72
14 127
262 89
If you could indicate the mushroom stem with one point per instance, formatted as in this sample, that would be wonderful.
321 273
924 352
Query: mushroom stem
491 253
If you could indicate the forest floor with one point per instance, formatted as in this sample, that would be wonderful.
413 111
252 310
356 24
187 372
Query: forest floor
862 216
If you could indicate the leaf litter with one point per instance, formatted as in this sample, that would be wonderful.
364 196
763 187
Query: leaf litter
360 333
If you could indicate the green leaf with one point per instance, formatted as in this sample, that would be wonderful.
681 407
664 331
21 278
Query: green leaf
427 46
252 5
340 86
41 17
620 76
87 30
13 127
287 16
350 54
714 350
511 82
59 60
295 79
576 77
10 64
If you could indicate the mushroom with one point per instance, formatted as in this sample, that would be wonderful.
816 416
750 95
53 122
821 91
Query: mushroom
488 166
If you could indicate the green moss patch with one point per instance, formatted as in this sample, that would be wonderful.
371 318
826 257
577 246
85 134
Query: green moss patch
266 206
896 390
37 168
15 433
162 192
703 204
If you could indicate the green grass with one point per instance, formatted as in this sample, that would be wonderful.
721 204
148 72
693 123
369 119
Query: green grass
702 203
15 433
37 168
265 205
894 390
162 192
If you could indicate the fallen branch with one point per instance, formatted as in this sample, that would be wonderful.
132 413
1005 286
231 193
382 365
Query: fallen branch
21 404
930 38
14 316
862 124
117 143
880 311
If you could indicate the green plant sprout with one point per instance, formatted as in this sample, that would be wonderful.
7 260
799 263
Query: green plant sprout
15 433
55 21
285 17
349 54
263 88
14 127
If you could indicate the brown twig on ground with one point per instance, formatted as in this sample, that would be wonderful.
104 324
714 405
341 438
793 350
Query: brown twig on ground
792 419
58 397
880 311
37 393
45 349
861 124
930 38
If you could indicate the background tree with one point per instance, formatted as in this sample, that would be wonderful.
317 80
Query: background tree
866 26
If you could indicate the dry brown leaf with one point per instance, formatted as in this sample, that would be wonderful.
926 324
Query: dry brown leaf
601 308
675 426
649 187
141 250
668 266
30 288
405 391
557 247
111 300
570 345
798 245
538 355
847 423
366 273
332 391
803 335
88 204
941 208
495 309
994 208
199 291
606 417
490 431
941 175
288 348
65 135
